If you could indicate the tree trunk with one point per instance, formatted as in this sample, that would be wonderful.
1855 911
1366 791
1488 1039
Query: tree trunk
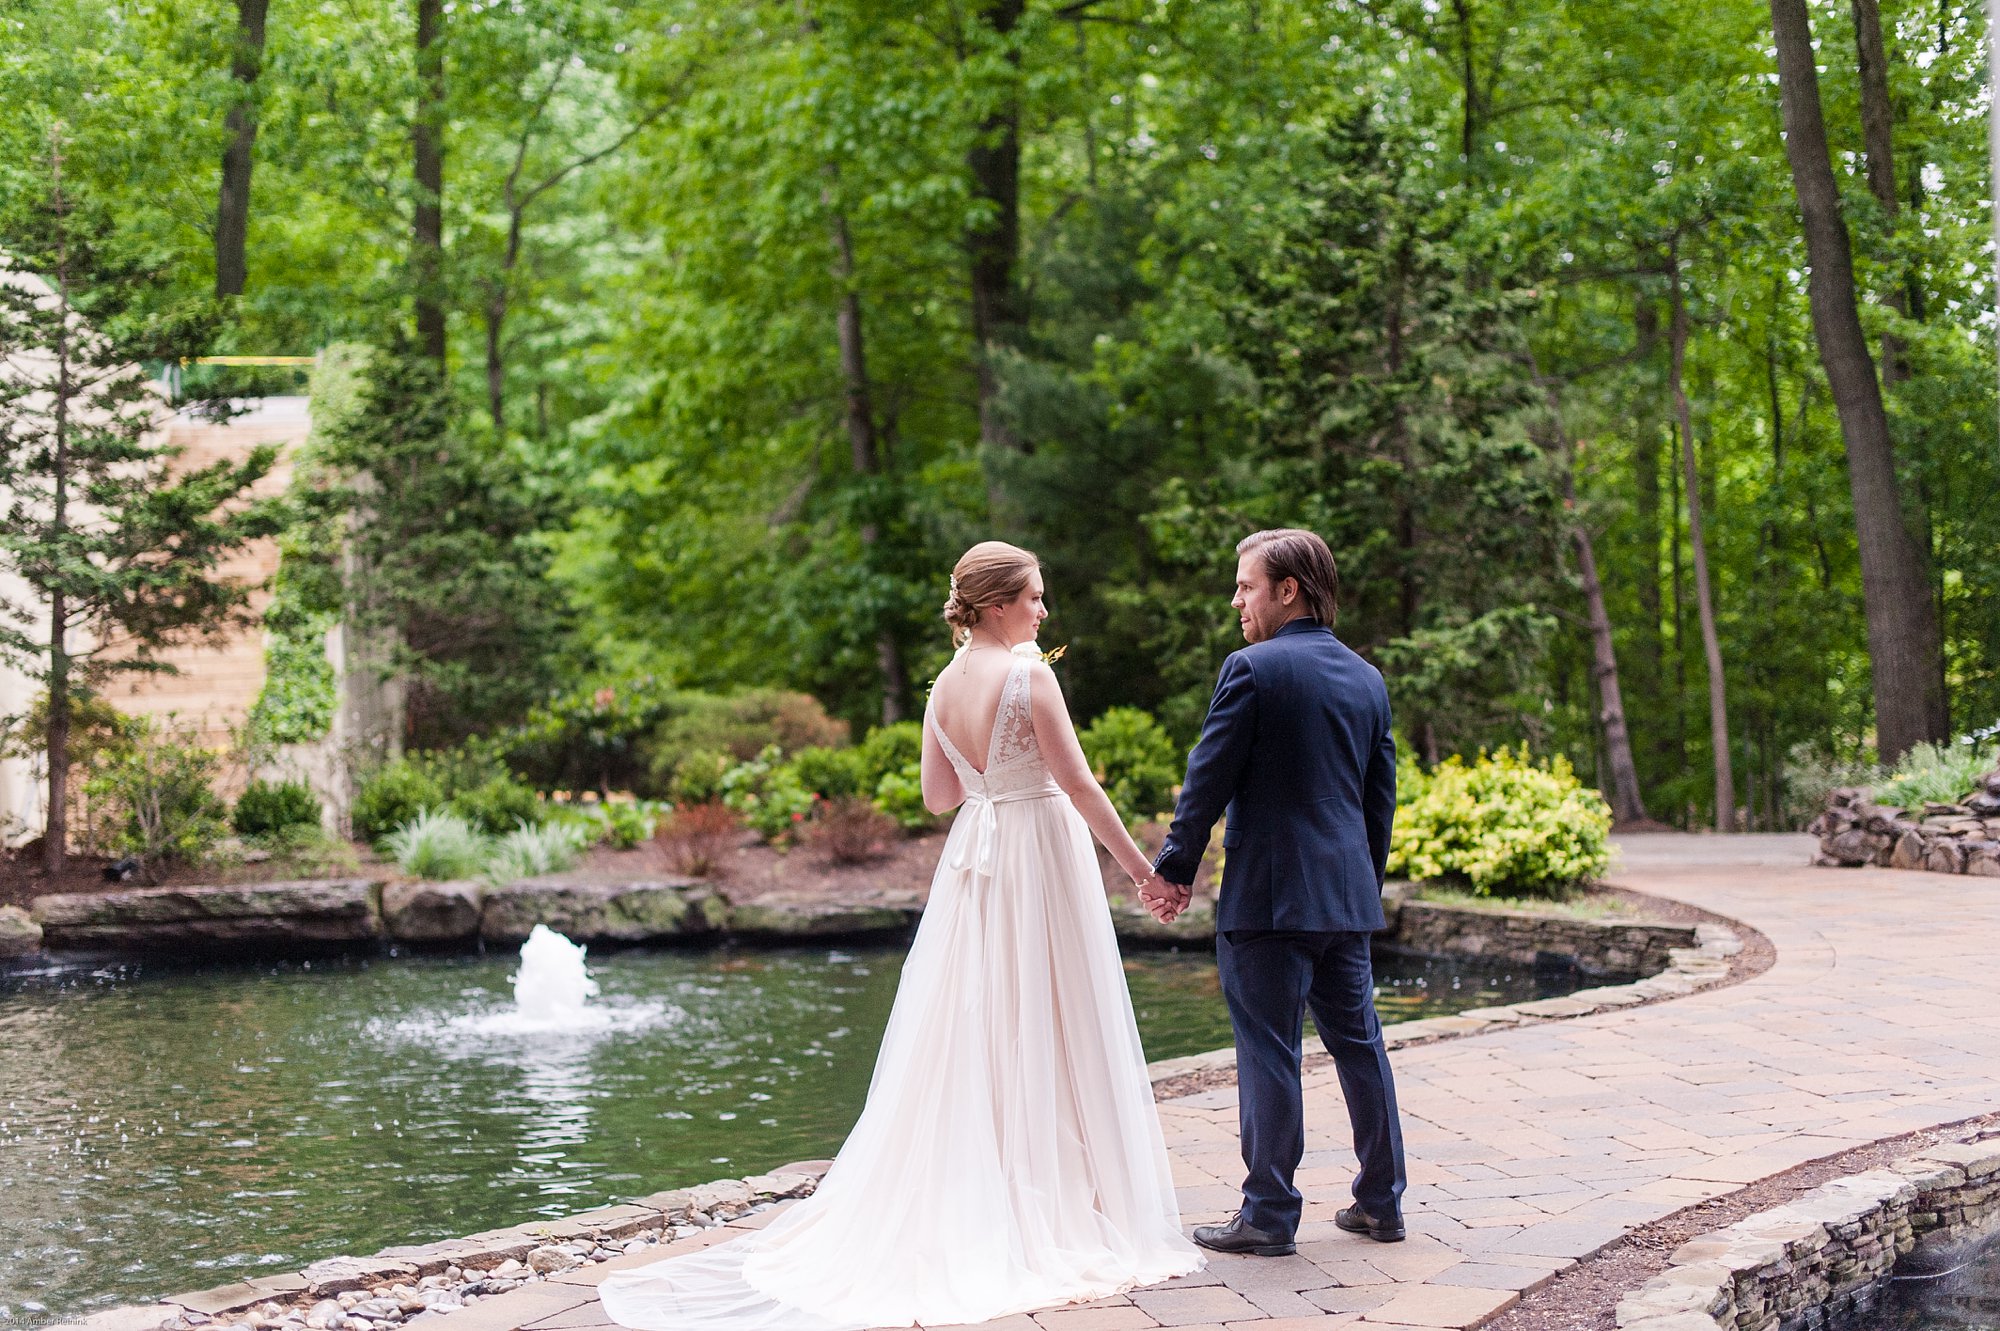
1626 804
232 207
1718 710
55 832
1904 646
994 240
1468 124
496 320
863 439
427 165
1878 144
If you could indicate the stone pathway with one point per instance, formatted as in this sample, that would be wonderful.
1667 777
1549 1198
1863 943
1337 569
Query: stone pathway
1531 1147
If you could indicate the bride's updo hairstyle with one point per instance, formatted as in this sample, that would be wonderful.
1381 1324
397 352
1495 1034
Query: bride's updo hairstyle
989 574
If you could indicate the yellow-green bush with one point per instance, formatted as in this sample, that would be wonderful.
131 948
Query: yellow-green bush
1506 825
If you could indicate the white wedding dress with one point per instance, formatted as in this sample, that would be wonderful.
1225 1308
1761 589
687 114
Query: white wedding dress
1009 1156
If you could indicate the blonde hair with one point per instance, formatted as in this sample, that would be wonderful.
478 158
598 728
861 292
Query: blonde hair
989 574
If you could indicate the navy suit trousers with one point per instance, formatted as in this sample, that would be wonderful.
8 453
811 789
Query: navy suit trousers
1270 980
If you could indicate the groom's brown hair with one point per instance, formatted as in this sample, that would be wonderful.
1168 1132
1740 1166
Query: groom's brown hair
1290 552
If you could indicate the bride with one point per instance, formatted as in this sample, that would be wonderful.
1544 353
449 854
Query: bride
1009 1156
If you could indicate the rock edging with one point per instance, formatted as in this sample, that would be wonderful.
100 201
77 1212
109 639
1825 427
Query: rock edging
1688 969
1854 830
1825 1252
415 1285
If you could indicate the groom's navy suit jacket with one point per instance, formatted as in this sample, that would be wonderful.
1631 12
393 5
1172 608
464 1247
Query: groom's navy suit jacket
1297 747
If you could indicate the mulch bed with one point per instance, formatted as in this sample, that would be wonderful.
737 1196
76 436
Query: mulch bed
1585 1297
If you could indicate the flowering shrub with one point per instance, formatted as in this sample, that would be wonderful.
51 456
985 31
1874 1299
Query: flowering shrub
1507 825
768 796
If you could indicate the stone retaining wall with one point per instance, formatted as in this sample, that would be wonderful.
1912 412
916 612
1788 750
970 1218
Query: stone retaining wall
1854 830
1598 947
425 1281
1824 1253
361 912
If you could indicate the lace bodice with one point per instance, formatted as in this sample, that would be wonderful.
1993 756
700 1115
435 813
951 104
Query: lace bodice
1013 761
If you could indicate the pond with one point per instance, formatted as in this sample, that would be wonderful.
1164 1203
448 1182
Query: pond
166 1129
1963 1297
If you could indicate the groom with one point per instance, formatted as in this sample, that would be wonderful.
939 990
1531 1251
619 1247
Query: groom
1297 747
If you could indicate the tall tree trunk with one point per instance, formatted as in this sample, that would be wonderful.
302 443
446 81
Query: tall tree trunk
427 167
1878 145
1905 648
864 440
1993 124
1704 596
994 241
1468 122
1626 804
232 205
497 296
55 832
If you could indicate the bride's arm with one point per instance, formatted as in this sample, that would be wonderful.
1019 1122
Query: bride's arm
943 791
1056 736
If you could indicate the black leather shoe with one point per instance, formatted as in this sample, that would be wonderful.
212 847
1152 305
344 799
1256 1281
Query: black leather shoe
1236 1236
1357 1221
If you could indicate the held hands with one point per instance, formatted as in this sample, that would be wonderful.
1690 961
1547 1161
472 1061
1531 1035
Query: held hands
1162 899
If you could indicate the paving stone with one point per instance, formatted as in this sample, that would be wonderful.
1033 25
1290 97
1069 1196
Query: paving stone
1441 1306
1186 1307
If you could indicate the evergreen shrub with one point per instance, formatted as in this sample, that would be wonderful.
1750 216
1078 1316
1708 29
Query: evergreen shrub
391 796
271 806
1505 825
1135 761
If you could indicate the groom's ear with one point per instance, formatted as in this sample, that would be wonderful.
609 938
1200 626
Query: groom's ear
1288 591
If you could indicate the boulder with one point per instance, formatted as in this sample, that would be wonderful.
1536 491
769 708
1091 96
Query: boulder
634 912
1982 858
431 912
818 919
1945 857
1911 850
308 912
1855 846
19 934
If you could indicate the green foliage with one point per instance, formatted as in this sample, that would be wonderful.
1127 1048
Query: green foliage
620 824
305 850
831 774
449 558
267 807
161 800
1505 825
496 804
391 796
742 725
530 852
900 794
594 737
1937 773
698 777
887 749
1134 760
767 794
1811 775
439 845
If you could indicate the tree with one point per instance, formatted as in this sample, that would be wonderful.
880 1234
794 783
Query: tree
120 553
232 208
444 548
427 175
1904 645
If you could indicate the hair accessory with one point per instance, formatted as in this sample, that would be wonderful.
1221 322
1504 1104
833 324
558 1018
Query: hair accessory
954 584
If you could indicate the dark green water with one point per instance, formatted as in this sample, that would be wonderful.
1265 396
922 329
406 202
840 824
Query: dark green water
163 1129
1966 1299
